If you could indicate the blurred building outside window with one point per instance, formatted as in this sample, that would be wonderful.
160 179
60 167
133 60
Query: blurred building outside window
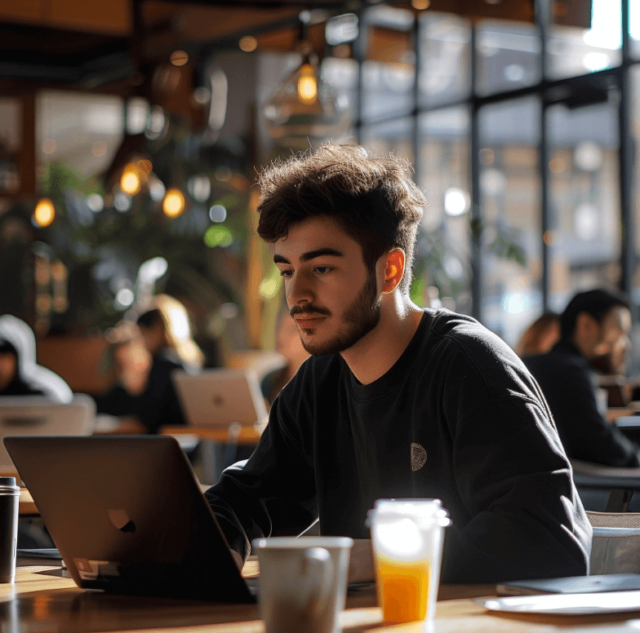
444 244
510 198
585 232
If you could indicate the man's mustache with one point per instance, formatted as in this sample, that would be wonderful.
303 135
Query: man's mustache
309 309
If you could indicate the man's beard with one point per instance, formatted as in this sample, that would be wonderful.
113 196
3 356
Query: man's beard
362 316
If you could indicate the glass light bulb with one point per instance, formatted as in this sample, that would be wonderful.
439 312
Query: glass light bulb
307 85
130 180
44 213
173 203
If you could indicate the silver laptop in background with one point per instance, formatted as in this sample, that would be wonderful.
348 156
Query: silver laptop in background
37 415
218 398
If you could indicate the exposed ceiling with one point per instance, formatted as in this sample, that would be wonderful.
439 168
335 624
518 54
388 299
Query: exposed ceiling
106 45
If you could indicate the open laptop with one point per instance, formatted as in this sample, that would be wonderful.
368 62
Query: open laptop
220 397
128 516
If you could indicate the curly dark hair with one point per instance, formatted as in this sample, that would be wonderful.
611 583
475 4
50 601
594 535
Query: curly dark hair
373 198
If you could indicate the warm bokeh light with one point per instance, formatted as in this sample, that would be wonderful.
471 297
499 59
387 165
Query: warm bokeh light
44 213
179 58
248 44
130 181
420 5
307 85
173 203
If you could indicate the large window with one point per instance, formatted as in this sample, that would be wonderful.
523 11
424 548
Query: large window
519 155
584 236
444 247
509 189
83 131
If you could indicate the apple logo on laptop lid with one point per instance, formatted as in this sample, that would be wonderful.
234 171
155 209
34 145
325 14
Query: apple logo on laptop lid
121 520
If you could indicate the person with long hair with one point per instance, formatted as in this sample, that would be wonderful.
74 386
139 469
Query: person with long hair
540 336
147 355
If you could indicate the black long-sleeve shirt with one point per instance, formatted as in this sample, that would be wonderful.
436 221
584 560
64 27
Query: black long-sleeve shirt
457 417
567 381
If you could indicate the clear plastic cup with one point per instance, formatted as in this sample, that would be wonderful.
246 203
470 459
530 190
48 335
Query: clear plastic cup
407 537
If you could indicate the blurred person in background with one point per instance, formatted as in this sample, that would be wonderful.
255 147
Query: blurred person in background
594 337
540 336
20 375
146 355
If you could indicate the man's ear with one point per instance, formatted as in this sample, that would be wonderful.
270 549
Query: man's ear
393 270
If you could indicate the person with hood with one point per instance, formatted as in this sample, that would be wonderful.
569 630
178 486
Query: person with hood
20 375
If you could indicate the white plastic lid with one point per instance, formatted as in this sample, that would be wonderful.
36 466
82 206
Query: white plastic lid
421 510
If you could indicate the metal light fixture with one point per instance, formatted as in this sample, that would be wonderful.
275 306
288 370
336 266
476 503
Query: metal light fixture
304 106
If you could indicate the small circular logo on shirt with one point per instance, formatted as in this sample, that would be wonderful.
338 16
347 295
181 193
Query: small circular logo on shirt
418 456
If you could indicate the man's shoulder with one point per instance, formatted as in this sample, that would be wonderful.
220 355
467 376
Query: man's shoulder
459 331
473 358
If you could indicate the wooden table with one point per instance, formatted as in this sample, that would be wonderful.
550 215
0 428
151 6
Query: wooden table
26 505
243 435
211 437
43 601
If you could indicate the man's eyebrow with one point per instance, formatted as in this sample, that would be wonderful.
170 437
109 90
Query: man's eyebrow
305 257
321 252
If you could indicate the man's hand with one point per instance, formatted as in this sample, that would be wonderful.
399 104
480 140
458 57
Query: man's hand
361 562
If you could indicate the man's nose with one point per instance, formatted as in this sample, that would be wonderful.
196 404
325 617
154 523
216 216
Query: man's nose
299 290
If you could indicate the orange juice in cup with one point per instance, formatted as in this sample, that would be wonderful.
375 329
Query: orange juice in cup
407 544
403 589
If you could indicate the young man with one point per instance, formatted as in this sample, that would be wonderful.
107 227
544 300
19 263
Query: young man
594 335
396 401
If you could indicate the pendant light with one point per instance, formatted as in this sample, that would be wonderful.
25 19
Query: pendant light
304 106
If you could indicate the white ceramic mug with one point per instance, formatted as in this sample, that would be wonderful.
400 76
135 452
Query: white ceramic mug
303 582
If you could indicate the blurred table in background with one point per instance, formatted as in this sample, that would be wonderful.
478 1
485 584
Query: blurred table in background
218 445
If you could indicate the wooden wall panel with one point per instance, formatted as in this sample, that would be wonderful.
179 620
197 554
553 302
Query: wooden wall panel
29 11
112 17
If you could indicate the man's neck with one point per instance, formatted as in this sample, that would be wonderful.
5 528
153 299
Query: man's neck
376 353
